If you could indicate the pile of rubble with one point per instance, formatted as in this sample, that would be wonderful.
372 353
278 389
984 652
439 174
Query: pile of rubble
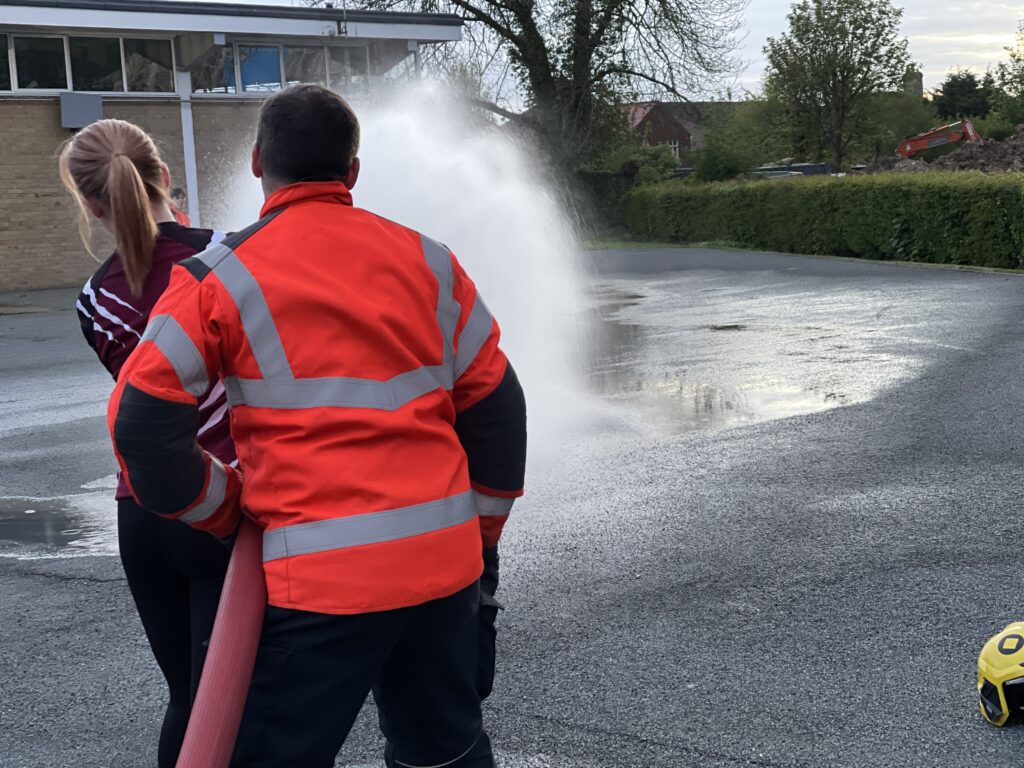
896 164
1006 155
909 165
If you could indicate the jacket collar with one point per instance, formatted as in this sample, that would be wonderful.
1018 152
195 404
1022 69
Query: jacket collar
305 191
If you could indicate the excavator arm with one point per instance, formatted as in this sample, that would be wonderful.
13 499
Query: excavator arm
936 137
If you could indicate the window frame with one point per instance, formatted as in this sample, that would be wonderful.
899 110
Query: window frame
262 42
240 94
240 88
66 39
71 72
9 46
324 49
15 87
174 67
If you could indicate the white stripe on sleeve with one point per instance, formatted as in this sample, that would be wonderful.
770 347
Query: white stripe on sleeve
119 300
215 418
104 312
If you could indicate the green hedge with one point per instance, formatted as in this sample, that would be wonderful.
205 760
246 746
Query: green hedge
943 218
604 190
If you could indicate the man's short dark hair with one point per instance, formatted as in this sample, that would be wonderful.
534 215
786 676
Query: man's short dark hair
307 133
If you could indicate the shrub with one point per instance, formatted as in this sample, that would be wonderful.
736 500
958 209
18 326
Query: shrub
995 127
944 218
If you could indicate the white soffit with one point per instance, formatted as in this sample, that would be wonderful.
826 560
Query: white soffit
58 19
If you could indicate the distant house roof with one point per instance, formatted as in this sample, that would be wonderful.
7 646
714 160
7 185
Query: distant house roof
229 18
637 113
689 114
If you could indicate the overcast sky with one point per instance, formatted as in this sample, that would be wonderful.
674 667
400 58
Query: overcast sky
943 35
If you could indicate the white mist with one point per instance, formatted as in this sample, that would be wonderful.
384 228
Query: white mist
430 166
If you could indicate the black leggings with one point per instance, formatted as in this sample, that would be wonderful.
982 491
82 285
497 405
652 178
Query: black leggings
175 575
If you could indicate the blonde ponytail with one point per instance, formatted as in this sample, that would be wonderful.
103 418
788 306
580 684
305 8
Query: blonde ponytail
117 165
135 229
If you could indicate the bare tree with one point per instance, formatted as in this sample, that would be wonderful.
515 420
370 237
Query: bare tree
567 61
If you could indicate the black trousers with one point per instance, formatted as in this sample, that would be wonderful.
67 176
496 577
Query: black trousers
175 575
314 671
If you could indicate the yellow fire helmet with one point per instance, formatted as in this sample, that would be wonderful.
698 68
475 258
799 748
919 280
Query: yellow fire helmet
1001 675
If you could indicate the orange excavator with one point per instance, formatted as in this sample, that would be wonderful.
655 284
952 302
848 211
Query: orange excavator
936 137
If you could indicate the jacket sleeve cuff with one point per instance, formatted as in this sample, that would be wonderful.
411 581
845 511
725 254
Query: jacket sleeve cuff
493 512
217 510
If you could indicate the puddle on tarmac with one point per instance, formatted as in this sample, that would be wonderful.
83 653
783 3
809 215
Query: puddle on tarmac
61 526
663 361
674 378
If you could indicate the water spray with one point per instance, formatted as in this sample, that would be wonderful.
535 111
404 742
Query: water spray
430 163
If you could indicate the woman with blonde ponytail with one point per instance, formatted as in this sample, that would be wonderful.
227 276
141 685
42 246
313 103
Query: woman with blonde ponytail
114 172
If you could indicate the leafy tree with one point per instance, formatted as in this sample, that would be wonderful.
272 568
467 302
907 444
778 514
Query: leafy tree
573 61
639 162
739 138
888 119
964 94
826 67
1009 97
995 127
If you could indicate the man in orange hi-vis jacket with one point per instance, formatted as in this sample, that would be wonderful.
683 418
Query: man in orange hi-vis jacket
381 438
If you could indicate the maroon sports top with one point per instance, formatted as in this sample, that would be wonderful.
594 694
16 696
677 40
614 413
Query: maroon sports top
113 321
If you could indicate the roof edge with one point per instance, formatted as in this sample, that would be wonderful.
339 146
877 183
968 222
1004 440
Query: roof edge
239 10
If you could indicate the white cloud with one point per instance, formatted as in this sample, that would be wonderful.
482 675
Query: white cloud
942 36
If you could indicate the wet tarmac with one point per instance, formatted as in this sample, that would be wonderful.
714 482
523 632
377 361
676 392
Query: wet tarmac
668 351
777 532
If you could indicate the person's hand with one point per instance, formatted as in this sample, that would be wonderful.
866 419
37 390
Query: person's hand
489 578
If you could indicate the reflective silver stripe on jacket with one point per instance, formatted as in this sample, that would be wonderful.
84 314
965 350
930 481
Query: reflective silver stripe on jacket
170 338
448 310
257 322
213 497
339 392
492 506
278 387
474 335
368 528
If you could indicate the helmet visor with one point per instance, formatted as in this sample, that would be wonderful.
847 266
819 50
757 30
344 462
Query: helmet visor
992 707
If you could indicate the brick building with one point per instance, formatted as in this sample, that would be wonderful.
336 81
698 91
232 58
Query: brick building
192 74
679 125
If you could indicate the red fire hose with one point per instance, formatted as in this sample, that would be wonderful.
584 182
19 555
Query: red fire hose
224 685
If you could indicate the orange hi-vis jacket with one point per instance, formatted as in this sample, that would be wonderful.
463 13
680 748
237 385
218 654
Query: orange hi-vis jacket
366 389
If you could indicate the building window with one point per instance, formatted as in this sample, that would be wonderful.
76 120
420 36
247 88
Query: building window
337 68
304 64
40 62
674 146
149 65
96 64
359 70
260 67
348 69
5 65
214 72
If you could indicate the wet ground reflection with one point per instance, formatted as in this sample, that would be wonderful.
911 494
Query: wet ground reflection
677 367
666 354
83 524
